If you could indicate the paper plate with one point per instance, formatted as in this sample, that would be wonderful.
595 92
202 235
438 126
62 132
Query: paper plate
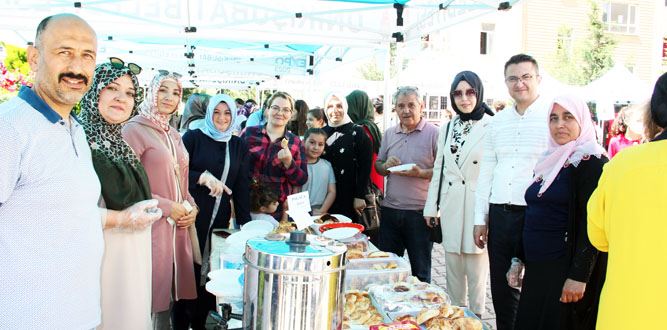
401 168
259 225
241 237
225 273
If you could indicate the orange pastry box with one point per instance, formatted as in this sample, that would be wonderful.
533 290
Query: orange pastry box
402 325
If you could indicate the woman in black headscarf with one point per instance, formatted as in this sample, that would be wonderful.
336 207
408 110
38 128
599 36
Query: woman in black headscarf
459 155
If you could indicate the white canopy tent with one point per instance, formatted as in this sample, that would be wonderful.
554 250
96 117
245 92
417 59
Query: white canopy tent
235 43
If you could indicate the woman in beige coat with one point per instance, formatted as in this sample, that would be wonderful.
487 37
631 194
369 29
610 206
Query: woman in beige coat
455 173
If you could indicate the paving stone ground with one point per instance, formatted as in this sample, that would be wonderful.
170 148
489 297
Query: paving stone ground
438 278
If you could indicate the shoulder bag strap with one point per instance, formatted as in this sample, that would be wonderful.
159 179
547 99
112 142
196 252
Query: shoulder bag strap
442 167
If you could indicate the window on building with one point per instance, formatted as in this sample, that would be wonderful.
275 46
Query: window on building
486 38
443 102
564 40
620 17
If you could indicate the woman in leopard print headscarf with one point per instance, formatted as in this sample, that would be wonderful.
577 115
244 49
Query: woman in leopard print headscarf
126 267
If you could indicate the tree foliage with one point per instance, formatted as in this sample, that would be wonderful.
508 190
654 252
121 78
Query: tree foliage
598 47
580 62
17 59
371 71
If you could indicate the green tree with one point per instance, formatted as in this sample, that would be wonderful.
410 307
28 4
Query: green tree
580 62
599 46
566 66
371 71
17 59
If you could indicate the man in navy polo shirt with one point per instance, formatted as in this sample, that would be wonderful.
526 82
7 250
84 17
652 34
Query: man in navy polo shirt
50 224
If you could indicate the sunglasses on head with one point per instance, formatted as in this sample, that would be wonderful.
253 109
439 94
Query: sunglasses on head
119 64
467 92
166 73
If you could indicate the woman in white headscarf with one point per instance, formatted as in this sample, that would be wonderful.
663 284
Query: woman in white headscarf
218 174
350 152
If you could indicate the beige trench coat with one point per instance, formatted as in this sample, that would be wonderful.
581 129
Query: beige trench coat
457 198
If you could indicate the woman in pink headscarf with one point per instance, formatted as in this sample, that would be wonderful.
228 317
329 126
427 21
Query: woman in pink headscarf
564 273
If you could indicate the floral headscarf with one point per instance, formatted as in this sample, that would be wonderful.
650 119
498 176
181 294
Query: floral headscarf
149 107
102 136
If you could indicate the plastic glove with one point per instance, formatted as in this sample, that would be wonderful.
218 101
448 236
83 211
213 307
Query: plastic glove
515 274
139 216
211 182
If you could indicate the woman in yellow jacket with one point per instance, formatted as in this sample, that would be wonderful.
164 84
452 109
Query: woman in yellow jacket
626 218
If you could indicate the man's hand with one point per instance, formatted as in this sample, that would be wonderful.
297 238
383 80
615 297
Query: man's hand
573 291
480 234
415 172
391 162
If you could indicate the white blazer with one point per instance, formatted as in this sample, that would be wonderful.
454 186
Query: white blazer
457 198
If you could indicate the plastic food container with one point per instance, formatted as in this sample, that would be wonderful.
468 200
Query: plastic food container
363 272
358 242
409 297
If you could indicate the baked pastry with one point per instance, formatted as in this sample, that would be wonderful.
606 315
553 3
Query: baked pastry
358 309
284 143
378 254
467 323
427 314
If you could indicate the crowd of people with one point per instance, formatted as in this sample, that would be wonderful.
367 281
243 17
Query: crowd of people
106 216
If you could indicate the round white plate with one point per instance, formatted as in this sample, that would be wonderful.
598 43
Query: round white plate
401 168
341 233
259 225
241 237
225 274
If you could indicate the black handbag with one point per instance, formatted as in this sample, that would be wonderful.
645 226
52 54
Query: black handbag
370 217
436 231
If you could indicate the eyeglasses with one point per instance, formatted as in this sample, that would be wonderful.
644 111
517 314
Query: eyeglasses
166 73
279 109
515 80
468 93
117 63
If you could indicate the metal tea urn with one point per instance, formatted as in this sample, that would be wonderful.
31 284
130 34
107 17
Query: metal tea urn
292 284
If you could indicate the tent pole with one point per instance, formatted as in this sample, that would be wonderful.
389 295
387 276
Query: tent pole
387 101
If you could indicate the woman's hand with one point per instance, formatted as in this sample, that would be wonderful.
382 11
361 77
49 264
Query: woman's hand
480 235
359 205
285 156
573 291
188 219
213 184
177 211
431 222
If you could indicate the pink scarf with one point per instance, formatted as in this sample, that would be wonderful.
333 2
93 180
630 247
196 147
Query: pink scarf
571 153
